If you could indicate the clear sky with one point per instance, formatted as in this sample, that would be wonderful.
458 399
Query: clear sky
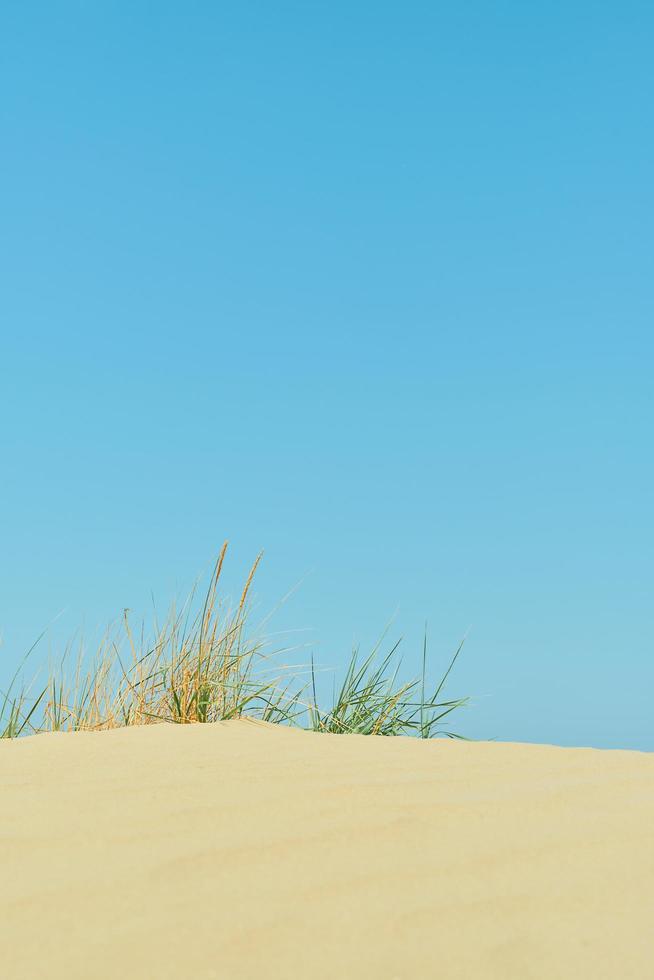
366 285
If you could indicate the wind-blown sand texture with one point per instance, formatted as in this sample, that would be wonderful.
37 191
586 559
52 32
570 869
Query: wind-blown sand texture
249 850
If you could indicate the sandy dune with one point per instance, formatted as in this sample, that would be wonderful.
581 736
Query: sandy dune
246 850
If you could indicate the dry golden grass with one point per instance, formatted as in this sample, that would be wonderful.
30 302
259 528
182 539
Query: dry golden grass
201 665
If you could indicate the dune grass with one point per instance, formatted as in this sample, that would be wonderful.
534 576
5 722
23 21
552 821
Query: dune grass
202 665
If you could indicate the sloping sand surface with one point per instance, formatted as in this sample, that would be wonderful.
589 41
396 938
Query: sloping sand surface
247 850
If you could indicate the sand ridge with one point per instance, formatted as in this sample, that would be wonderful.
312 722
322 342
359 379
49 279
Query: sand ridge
244 850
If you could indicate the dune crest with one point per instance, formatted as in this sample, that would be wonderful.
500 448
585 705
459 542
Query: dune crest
242 850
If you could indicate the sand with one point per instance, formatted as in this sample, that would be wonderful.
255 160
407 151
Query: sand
249 850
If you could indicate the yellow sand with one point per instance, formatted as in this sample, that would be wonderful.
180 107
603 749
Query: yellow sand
247 850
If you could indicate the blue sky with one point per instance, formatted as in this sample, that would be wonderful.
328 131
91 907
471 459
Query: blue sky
367 286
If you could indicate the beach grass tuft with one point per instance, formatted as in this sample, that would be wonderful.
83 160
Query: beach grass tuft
202 665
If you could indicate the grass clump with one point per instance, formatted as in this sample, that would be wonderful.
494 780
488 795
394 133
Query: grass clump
371 700
203 666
